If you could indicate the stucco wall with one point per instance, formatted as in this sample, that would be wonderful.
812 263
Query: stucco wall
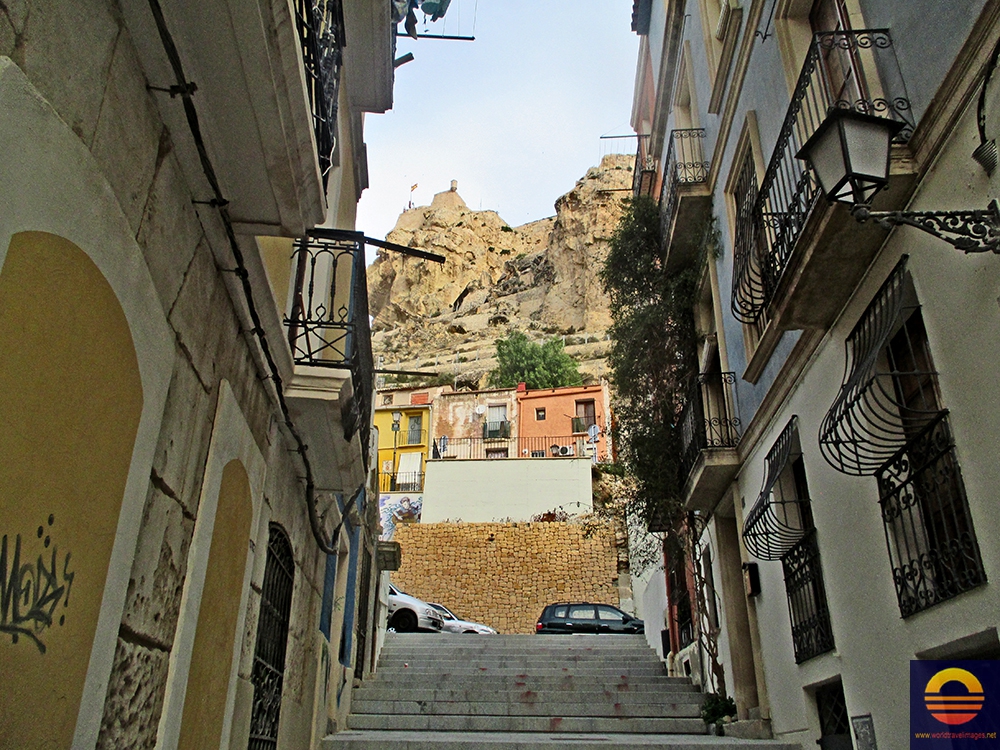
509 488
503 574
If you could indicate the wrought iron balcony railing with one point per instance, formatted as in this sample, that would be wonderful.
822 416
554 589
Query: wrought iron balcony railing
644 174
328 324
567 446
401 481
321 32
855 70
583 424
710 418
685 165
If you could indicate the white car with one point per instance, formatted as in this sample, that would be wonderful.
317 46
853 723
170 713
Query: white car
407 614
452 624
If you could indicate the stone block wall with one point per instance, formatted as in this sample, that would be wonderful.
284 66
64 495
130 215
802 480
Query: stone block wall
503 574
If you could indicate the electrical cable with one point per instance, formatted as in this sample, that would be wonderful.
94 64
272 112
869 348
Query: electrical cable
186 91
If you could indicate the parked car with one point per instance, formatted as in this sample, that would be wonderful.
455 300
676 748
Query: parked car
586 617
454 624
407 614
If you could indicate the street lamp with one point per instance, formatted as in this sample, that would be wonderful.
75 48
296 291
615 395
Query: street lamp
396 417
849 154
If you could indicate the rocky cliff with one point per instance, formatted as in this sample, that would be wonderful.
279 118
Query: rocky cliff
539 278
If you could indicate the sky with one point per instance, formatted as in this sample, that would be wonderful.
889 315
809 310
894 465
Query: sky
515 116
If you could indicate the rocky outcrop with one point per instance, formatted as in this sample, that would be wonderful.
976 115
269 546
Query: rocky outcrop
540 278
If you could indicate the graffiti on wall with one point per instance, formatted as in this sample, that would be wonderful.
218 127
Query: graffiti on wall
30 592
397 508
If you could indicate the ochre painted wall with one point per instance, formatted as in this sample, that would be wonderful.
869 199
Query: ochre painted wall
212 653
503 574
70 402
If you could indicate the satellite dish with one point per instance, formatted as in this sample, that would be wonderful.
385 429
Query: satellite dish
480 409
592 432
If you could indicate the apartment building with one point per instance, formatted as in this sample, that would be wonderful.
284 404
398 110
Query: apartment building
188 517
839 436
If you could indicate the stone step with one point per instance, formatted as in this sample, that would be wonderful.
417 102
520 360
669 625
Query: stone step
411 740
550 723
467 670
583 693
492 682
530 703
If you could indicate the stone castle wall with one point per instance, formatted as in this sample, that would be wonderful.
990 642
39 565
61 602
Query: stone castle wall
503 574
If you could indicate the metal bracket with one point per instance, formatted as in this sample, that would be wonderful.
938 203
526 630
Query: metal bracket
968 231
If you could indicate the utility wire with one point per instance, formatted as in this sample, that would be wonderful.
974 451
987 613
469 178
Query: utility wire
186 91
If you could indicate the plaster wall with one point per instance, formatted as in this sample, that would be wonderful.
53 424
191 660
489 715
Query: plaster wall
477 491
461 414
873 644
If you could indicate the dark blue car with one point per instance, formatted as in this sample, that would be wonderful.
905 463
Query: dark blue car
586 617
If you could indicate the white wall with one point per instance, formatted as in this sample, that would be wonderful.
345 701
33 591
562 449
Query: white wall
479 491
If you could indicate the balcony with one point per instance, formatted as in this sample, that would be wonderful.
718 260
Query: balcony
568 446
583 424
330 391
710 434
401 481
685 201
496 430
644 173
807 256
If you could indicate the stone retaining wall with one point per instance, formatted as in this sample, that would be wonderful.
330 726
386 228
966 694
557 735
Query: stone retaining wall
503 574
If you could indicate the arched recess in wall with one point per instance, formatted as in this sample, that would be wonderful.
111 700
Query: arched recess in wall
218 616
272 639
207 684
55 196
70 403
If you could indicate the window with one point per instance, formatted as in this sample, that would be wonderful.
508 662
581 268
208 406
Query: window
496 453
720 22
586 416
780 527
888 421
272 637
835 731
608 614
539 415
581 612
414 433
496 425
748 298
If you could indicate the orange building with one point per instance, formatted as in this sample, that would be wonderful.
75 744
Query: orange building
571 418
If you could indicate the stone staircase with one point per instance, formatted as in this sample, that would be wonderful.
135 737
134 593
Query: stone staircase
524 692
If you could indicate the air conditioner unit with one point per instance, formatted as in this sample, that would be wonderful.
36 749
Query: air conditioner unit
567 450
588 449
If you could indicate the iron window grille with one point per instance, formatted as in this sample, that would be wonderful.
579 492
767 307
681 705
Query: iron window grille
680 598
777 522
272 637
834 726
889 391
496 430
748 297
933 548
812 633
844 69
888 421
644 172
321 34
328 323
780 527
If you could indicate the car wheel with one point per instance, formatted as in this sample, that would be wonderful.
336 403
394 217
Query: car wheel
405 621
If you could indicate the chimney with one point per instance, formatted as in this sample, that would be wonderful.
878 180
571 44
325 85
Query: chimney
522 388
454 186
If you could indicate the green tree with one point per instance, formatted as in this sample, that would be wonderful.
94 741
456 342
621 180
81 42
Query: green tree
544 365
652 357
